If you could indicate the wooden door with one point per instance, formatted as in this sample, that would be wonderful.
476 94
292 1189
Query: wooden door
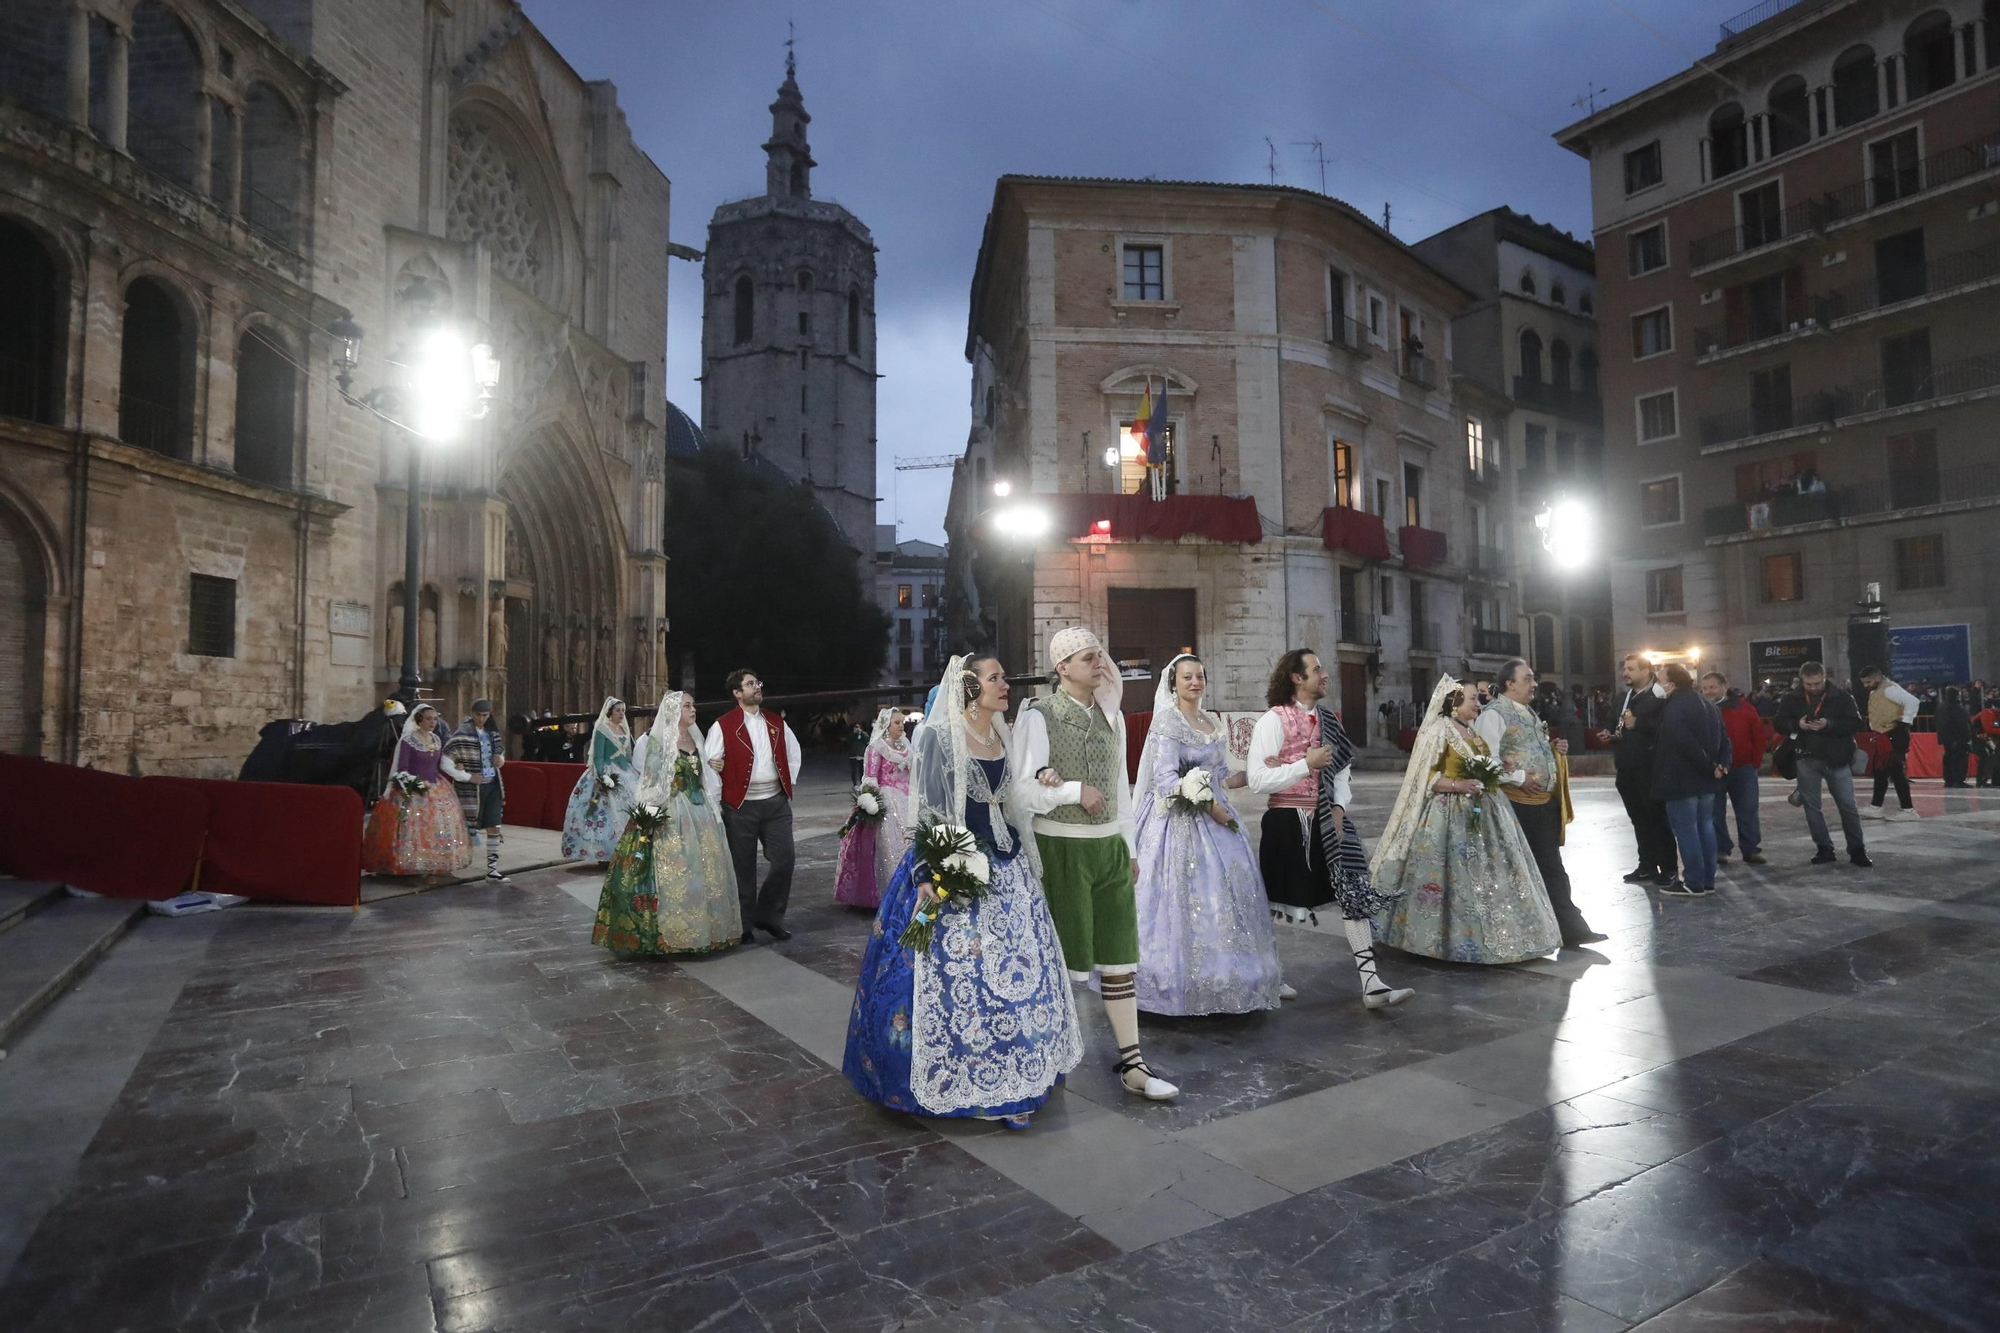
1354 701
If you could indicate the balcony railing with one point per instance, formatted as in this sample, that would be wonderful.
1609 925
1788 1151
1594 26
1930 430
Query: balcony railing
1358 627
1489 562
1419 369
1768 418
24 388
1483 467
1754 15
1495 642
1346 331
1424 637
1902 488
1906 284
149 425
1850 201
1584 403
1921 384
1710 341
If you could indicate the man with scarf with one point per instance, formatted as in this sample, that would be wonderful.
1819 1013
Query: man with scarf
1071 778
477 748
1537 785
1309 853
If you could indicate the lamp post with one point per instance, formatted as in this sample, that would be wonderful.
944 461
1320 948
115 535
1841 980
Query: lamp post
445 381
1024 523
1568 532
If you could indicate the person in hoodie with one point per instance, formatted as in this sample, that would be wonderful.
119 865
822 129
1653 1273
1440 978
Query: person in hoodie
1749 738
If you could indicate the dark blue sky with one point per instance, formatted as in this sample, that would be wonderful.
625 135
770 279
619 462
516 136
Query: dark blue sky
918 105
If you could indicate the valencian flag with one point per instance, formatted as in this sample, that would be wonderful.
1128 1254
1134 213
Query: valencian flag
1151 428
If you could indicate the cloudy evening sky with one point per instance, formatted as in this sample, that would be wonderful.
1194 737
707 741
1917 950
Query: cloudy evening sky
1443 108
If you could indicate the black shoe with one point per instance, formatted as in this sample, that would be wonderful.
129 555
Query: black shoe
1577 939
748 938
1665 878
1824 857
1638 876
1753 858
1860 859
776 932
1678 888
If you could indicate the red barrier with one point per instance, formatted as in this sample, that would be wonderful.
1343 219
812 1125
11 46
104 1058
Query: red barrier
1926 757
525 789
1137 725
103 832
558 781
281 842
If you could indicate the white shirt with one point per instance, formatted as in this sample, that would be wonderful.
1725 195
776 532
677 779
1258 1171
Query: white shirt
1896 694
763 771
1031 743
639 753
1491 727
1267 738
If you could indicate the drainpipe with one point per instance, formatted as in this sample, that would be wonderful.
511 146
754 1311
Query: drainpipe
1284 528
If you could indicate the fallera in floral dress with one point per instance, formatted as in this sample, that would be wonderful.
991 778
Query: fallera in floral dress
672 890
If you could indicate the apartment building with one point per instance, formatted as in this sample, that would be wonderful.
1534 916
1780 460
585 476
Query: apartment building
909 587
1311 488
1799 276
1531 343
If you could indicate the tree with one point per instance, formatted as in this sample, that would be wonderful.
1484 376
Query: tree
759 576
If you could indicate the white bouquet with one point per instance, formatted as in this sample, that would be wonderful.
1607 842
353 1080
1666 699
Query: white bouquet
1194 794
408 784
649 817
953 868
867 808
608 780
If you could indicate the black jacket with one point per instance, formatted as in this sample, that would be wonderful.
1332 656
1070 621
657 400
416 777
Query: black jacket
1835 745
1634 749
1691 743
1954 724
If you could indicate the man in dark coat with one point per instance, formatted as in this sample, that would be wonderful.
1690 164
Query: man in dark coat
1954 733
1691 755
1820 719
1632 744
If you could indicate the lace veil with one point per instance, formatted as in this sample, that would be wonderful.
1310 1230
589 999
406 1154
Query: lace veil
1435 736
1164 704
942 772
622 733
656 768
421 738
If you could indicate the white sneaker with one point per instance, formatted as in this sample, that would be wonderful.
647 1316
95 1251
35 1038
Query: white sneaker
1382 999
1286 992
1905 814
1873 812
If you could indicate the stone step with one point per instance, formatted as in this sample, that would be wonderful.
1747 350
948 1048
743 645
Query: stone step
19 898
49 952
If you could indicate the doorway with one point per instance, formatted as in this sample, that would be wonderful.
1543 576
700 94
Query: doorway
1354 701
1148 627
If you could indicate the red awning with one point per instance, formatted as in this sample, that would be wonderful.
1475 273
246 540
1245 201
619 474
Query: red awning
1125 518
1344 529
1421 546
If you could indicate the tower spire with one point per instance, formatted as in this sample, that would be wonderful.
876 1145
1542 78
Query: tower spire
788 173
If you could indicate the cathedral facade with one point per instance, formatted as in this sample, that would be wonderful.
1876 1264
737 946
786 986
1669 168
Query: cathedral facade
198 533
788 331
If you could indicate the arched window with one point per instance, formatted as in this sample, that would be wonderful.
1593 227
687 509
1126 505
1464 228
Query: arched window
1855 94
798 180
1586 370
31 350
155 370
853 321
805 302
1531 356
1930 56
1789 124
1728 141
979 471
805 443
746 309
1585 302
266 408
271 154
1559 364
992 404
34 46
1558 294
164 80
1527 282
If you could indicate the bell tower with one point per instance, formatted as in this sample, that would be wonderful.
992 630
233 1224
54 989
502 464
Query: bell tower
788 173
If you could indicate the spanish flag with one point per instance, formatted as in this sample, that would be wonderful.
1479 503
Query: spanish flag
1150 430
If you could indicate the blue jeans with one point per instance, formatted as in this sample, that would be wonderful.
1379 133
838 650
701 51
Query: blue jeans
1692 819
1839 780
1740 790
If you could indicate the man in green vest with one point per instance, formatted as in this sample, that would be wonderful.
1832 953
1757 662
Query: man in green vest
1070 776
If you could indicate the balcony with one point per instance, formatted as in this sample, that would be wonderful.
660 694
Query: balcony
1424 637
1751 17
1851 201
1354 531
1495 642
1489 562
1483 468
1973 374
1359 628
1773 418
1419 369
1421 546
1940 278
1346 331
1901 490
1560 399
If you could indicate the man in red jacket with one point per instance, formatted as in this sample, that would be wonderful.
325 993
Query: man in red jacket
1749 736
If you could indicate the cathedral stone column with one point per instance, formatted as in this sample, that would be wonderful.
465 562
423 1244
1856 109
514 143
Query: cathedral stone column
79 65
120 89
204 142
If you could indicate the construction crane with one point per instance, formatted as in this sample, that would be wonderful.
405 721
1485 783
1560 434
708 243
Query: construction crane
926 462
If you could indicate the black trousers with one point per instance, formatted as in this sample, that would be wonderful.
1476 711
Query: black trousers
1541 825
1984 754
767 822
1657 852
1896 768
1955 759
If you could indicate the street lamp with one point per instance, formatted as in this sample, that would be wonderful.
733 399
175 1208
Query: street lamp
1021 523
1003 488
445 383
1569 535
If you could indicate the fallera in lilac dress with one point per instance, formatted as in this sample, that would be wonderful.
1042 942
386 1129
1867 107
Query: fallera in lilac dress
1206 944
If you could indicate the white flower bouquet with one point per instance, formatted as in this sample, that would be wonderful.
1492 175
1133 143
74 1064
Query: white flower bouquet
1487 772
407 785
1194 794
649 818
954 870
868 808
608 780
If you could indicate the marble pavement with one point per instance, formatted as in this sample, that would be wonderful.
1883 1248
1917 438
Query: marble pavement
1778 1109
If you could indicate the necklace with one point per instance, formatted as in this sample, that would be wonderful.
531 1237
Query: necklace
989 740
